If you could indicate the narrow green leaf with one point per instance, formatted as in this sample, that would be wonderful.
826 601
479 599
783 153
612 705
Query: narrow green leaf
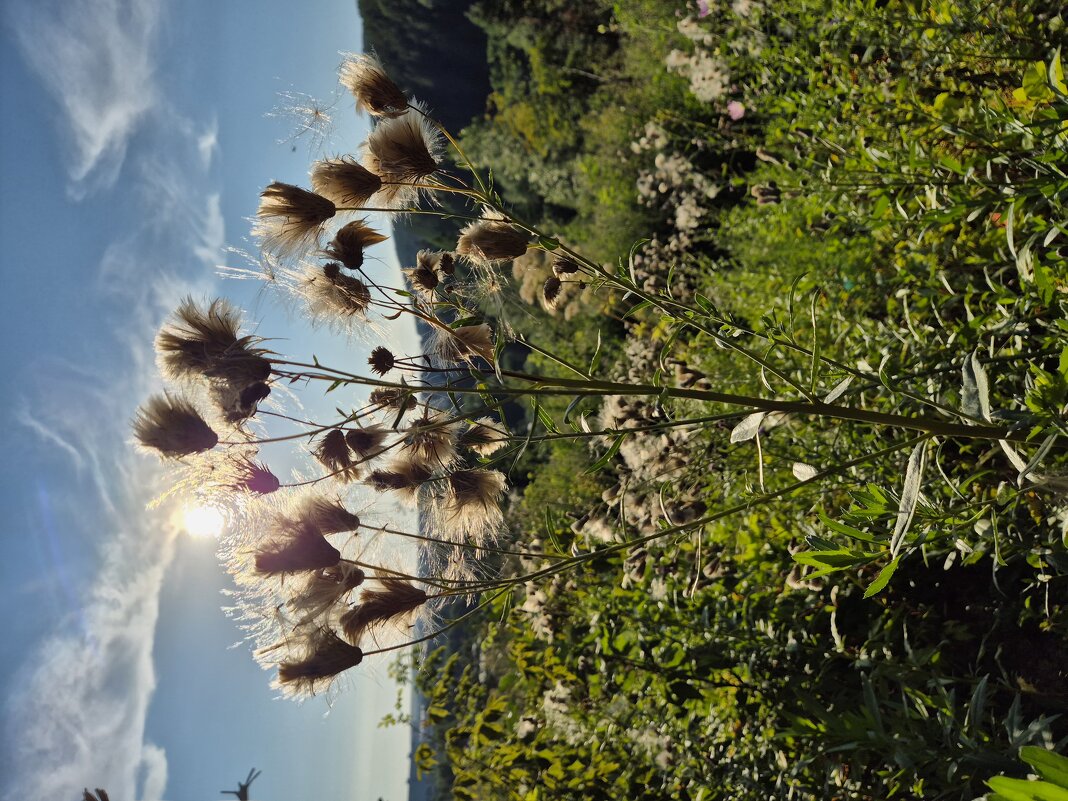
883 578
608 456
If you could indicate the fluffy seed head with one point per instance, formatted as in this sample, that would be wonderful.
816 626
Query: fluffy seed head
395 600
333 295
374 91
344 181
392 398
333 453
550 291
290 218
322 590
471 508
325 515
402 151
295 550
204 343
366 442
403 477
464 344
487 241
172 427
431 442
564 265
423 279
350 241
256 478
483 436
319 660
447 264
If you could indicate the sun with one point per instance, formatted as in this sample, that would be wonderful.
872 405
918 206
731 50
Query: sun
204 521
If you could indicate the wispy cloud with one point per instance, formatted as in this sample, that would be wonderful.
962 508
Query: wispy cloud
95 58
77 713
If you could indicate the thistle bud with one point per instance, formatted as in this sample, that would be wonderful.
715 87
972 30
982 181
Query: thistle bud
381 360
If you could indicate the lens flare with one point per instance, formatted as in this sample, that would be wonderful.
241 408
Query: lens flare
204 522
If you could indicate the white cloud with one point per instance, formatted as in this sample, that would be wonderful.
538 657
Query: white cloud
95 57
208 143
76 715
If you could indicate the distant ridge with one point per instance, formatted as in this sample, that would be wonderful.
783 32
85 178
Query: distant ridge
434 52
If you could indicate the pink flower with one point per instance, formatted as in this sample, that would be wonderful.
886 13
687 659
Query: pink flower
735 110
702 9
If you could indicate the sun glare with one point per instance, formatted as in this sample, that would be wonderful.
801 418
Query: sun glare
203 522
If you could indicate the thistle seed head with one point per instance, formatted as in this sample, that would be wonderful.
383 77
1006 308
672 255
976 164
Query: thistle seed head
374 91
172 427
295 550
394 601
564 265
402 151
204 343
366 442
350 241
319 659
344 181
290 219
333 453
550 291
483 436
334 295
487 241
464 344
471 507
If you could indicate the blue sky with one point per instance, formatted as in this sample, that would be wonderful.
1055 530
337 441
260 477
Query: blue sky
136 137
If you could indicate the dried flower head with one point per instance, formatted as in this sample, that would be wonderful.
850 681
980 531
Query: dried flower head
403 477
464 344
483 436
431 441
392 398
173 427
350 241
344 181
423 279
381 360
471 507
396 599
333 453
255 477
294 550
318 658
550 291
374 91
238 406
322 590
447 264
402 151
325 515
199 342
564 265
290 218
334 296
491 240
366 442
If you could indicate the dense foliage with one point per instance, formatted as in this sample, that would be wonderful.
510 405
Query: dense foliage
871 196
